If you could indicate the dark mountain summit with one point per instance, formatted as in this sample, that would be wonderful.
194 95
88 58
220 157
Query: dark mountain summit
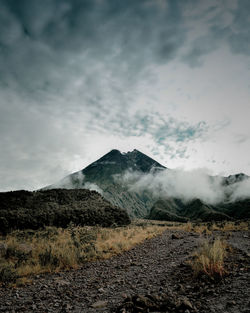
103 176
116 162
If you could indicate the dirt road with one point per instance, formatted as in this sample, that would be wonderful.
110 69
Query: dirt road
156 268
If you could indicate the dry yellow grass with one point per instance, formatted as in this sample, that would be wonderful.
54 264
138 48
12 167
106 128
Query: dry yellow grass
188 226
110 242
202 229
209 259
54 249
231 226
208 228
57 249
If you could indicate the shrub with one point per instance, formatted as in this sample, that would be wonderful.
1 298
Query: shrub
7 274
209 259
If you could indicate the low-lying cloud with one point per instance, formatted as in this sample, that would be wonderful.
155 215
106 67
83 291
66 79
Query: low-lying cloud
240 190
77 181
186 185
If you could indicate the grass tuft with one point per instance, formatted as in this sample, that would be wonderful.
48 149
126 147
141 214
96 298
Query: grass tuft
209 259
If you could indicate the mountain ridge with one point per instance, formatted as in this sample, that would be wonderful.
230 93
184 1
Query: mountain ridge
107 176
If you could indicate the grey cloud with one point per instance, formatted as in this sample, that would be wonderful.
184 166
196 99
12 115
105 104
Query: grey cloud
179 131
199 48
171 134
238 33
44 44
241 190
187 185
161 128
241 138
222 23
79 180
111 31
37 147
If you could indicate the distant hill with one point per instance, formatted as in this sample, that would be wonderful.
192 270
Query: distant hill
103 176
179 210
176 210
57 207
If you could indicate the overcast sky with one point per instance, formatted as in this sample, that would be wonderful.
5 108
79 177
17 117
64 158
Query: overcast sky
81 77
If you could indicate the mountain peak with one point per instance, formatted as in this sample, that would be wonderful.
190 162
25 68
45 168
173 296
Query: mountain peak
135 151
114 151
132 160
115 162
118 152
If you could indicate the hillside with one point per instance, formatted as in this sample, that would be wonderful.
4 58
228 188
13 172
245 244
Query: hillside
176 210
57 207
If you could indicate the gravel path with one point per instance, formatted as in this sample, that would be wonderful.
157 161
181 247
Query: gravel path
155 267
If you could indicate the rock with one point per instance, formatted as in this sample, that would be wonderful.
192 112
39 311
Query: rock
194 235
185 304
124 296
99 304
62 282
101 290
66 308
231 303
174 236
142 301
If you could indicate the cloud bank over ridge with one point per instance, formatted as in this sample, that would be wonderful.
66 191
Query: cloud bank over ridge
186 185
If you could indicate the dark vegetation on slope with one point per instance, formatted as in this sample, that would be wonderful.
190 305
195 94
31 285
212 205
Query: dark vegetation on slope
57 207
238 209
176 210
166 210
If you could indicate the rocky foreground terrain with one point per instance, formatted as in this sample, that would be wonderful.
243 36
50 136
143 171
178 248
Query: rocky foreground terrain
152 277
